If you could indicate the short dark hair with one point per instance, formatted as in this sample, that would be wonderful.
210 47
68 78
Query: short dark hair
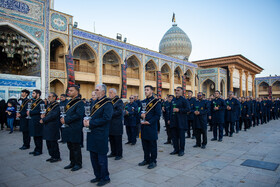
26 91
190 91
76 87
149 86
37 92
203 95
63 95
180 88
54 94
171 96
211 95
218 91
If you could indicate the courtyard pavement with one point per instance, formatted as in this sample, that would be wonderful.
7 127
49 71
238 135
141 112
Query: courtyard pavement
217 165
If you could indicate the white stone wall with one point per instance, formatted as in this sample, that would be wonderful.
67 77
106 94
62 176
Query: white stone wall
236 79
250 85
243 82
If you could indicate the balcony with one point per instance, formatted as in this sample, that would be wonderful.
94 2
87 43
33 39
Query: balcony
150 77
111 72
57 65
84 68
134 75
177 81
165 79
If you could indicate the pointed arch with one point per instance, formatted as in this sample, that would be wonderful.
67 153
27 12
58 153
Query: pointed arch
150 70
84 46
178 72
165 73
189 77
111 63
57 86
208 86
263 87
276 86
133 67
112 51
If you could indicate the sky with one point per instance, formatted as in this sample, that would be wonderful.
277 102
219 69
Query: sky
216 28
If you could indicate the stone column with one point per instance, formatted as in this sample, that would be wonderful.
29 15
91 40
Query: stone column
99 62
193 81
142 79
246 82
240 82
172 79
253 86
231 69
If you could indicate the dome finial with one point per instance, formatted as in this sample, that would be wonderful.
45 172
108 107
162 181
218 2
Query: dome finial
174 20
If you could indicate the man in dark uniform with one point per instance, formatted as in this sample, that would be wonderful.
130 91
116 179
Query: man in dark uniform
149 133
179 121
209 114
245 113
51 123
269 106
23 121
259 109
237 115
201 109
130 120
35 127
97 140
253 110
190 115
166 109
138 103
116 126
231 106
63 102
218 107
72 132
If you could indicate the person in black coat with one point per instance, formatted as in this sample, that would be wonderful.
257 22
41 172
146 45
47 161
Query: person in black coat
51 127
201 109
130 120
218 107
149 134
237 115
245 113
63 102
97 140
35 127
230 117
3 116
166 110
138 103
259 109
72 132
190 115
179 121
23 121
116 126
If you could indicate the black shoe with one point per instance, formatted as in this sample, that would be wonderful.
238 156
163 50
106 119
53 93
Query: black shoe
25 147
188 136
21 147
167 142
237 132
133 143
213 139
94 180
230 135
143 163
128 143
11 132
118 157
196 146
32 153
49 159
110 155
181 154
76 168
55 160
220 140
37 154
203 147
152 165
69 166
103 182
225 134
174 152
193 137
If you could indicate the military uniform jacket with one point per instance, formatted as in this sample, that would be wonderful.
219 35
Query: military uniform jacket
167 107
218 116
191 114
274 107
131 118
51 123
180 119
245 109
35 127
149 132
259 108
116 127
23 121
200 121
74 118
97 139
231 114
238 110
63 103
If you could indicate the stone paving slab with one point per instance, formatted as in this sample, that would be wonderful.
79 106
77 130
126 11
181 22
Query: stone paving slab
218 165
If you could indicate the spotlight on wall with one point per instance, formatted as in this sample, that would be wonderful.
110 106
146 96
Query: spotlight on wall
75 24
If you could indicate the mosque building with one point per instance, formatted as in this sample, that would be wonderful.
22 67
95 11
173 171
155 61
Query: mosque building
35 40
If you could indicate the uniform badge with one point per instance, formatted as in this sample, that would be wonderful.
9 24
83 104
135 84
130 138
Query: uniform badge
244 106
67 107
201 108
191 104
96 106
232 103
150 105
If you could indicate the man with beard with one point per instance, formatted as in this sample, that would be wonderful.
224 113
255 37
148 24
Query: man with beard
97 138
231 106
35 127
51 123
190 115
116 126
149 133
73 121
23 121
179 121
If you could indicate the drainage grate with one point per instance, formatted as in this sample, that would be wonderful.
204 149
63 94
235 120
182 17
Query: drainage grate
260 164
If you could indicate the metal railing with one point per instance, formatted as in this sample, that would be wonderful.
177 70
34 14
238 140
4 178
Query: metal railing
111 72
84 68
57 65
134 75
150 77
